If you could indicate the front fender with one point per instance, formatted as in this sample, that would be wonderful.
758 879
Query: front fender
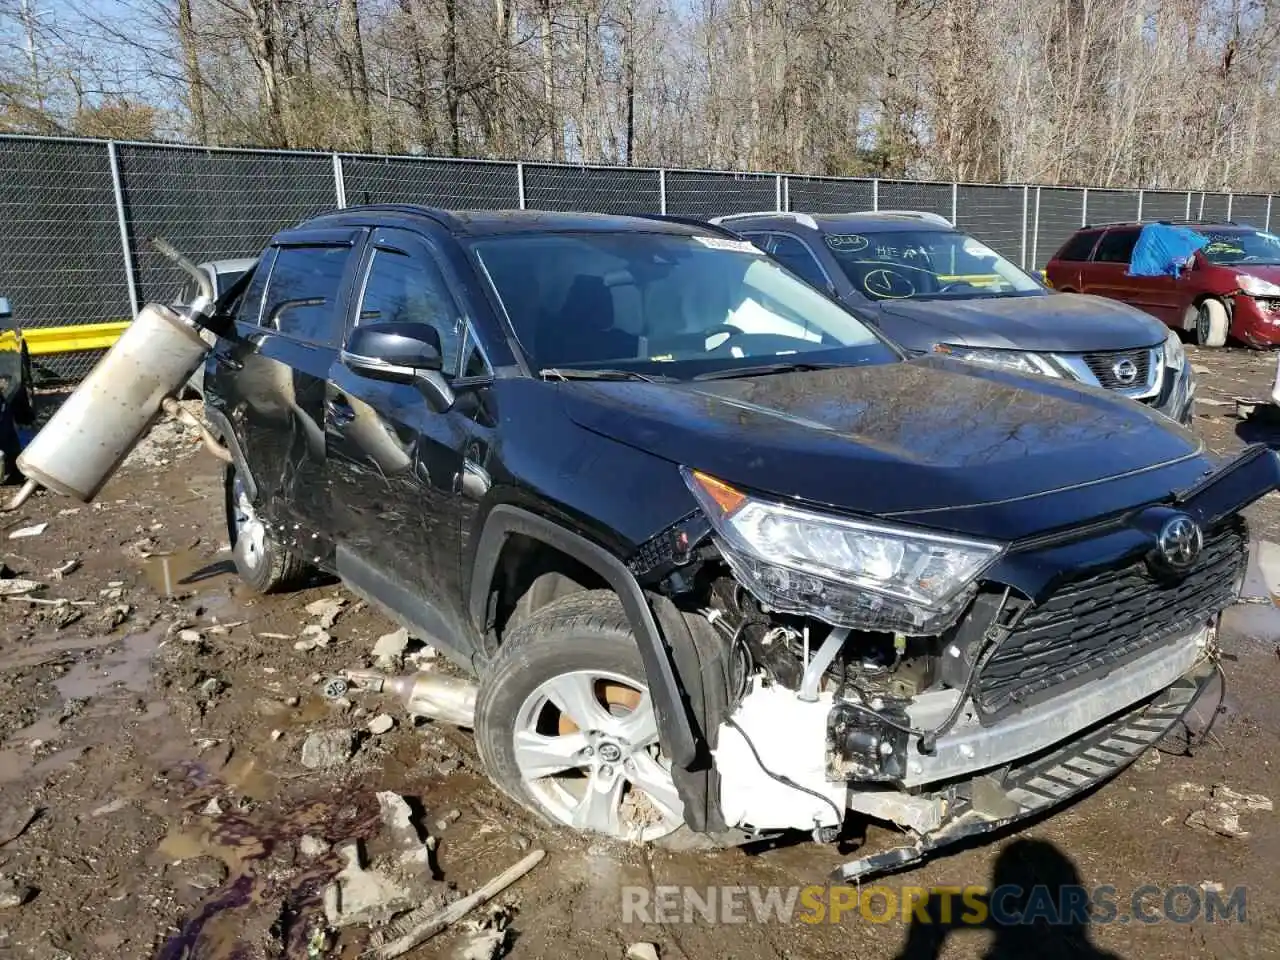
674 727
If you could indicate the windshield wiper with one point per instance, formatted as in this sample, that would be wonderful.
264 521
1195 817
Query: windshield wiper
764 369
570 373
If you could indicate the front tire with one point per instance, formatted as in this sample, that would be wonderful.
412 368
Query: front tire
1212 323
261 561
565 725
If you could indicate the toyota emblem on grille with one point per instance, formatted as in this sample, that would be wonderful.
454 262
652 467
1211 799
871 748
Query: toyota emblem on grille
1125 370
1179 542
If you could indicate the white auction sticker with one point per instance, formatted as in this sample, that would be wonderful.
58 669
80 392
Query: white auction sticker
723 243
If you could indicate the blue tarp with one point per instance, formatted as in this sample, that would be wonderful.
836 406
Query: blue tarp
1163 251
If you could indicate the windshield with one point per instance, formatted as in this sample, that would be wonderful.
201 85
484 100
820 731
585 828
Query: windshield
926 265
663 303
1240 246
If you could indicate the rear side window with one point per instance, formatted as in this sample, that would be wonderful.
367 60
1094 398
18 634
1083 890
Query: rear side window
1078 247
795 256
250 308
302 293
1116 246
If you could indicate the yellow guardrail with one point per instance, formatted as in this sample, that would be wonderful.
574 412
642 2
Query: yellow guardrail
85 336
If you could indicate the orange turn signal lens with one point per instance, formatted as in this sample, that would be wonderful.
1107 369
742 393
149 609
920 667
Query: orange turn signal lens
724 496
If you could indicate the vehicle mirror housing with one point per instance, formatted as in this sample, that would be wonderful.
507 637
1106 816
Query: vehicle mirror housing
400 352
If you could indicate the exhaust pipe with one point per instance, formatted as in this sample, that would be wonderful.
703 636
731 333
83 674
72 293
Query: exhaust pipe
84 443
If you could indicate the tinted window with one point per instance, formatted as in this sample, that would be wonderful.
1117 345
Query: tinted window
1116 246
795 256
402 287
663 303
225 281
1078 247
250 309
302 292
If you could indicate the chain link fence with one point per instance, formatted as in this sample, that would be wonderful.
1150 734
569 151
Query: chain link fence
77 215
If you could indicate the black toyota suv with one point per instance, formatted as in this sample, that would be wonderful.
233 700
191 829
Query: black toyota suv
722 561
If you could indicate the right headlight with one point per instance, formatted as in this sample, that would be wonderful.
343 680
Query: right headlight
1018 360
852 573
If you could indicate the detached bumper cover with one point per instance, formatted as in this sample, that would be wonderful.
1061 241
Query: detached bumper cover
1031 786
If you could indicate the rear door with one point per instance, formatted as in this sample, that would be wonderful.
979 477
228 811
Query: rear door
1067 267
270 383
405 480
1107 275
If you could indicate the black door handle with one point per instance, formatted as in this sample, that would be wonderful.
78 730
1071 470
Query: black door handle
340 411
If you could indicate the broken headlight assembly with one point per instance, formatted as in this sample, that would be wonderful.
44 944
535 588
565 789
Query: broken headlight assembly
851 573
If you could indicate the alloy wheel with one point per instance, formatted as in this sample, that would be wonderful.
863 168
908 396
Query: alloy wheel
251 532
586 744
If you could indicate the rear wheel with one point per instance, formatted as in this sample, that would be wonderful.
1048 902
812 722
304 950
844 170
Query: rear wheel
1211 323
565 724
260 560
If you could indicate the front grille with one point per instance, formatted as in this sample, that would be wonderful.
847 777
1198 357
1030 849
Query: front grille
1103 366
1091 624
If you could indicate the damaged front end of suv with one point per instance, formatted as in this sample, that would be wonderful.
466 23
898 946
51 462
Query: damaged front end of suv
949 684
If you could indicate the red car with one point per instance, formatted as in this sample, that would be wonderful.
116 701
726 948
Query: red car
1231 287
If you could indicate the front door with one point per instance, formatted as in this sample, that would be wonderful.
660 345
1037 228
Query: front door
395 466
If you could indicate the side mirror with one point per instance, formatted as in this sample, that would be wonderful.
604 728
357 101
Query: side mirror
400 352
6 311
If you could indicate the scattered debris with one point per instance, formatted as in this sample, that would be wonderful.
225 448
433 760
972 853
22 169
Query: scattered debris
212 809
485 939
388 652
312 847
362 896
32 531
425 922
113 616
327 610
12 893
212 686
642 951
71 566
17 587
276 735
318 942
115 806
1221 811
140 550
313 636
327 748
14 823
381 724
292 701
520 841
190 636
276 636
1212 886
335 688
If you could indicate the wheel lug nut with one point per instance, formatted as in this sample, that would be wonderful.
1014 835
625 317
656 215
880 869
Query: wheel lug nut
606 771
588 752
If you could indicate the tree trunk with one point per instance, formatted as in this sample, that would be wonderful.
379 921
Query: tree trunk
353 55
452 97
554 121
191 63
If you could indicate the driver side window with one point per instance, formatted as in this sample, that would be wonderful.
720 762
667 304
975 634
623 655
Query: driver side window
402 287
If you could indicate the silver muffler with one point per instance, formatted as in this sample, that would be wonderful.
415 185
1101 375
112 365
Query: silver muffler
93 431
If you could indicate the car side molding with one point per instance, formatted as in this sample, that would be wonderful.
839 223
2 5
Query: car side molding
674 728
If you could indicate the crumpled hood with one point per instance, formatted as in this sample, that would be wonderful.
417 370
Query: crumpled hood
896 439
1059 323
1269 273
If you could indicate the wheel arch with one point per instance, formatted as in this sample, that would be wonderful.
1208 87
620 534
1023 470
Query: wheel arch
222 429
505 522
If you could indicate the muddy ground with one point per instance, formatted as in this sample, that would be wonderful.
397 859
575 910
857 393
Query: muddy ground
123 716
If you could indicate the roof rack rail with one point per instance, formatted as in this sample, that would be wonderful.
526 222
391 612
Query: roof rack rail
915 214
801 218
1178 221
688 221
